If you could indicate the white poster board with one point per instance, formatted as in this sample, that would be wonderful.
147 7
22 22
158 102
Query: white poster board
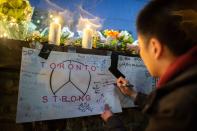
65 85
136 73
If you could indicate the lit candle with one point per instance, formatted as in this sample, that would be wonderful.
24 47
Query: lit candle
87 38
55 32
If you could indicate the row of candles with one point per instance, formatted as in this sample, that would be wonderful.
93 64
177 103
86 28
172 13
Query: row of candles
55 34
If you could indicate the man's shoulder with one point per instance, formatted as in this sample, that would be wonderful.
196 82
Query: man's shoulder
183 98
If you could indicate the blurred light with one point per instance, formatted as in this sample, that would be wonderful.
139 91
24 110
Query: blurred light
51 16
38 21
5 35
56 20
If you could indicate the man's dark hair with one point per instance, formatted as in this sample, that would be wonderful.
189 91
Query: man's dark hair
172 22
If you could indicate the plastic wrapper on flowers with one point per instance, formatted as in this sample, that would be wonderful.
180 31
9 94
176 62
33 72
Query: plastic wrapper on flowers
133 48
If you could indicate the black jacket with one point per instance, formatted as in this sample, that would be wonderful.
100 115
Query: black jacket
172 107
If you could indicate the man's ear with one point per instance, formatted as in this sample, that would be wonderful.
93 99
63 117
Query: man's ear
156 48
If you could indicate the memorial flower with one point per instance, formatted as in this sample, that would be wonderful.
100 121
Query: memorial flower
116 40
15 15
111 33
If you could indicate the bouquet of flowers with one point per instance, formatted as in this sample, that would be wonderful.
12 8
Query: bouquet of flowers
14 16
115 40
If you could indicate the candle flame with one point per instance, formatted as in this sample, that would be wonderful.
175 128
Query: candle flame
51 16
56 20
87 26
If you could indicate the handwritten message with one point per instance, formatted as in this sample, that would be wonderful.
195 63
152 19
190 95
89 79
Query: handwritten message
137 74
65 85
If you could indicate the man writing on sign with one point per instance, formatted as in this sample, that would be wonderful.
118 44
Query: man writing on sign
167 36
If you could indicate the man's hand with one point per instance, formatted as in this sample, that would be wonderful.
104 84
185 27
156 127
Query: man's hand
107 113
123 86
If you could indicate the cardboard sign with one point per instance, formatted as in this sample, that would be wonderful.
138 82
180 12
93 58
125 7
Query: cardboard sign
136 73
65 85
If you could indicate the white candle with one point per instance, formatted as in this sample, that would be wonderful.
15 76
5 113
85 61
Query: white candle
87 38
55 32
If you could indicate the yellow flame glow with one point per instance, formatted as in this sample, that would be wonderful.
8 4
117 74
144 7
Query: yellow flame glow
56 20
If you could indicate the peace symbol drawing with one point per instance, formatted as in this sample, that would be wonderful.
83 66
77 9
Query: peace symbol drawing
73 73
